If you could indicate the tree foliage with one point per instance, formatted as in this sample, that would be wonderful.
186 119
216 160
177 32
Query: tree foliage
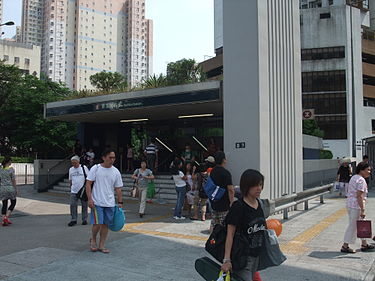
108 81
155 82
310 127
23 126
184 71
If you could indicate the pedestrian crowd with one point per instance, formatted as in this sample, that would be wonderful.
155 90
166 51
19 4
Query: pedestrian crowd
96 186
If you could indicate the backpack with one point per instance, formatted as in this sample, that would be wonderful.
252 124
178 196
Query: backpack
213 191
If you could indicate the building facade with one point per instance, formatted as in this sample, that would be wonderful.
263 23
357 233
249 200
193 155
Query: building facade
336 73
1 14
32 22
82 37
25 56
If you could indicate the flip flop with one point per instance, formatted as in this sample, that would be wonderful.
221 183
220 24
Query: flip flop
104 251
93 248
347 250
367 248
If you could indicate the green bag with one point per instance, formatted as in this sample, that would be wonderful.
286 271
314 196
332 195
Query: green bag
150 190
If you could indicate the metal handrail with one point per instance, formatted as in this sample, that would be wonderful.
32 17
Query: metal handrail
286 202
55 166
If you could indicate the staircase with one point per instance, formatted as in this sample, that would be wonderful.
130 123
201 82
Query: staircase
164 187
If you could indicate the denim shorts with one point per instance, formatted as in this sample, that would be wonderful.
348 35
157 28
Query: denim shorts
102 215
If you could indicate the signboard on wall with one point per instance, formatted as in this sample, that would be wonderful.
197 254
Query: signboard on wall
308 114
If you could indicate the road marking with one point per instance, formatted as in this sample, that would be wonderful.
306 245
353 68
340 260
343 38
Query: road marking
297 244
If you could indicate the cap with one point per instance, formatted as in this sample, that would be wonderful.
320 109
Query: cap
210 159
75 158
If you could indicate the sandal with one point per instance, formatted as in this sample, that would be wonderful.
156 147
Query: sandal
92 248
347 250
367 248
104 251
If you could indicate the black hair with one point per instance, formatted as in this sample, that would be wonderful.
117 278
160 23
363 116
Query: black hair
361 167
107 152
145 161
5 161
175 166
219 157
365 157
191 168
249 179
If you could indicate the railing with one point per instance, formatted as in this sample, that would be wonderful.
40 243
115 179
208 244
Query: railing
24 173
57 165
285 203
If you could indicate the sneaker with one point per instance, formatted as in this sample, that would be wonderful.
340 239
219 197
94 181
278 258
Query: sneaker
7 220
182 218
176 218
72 223
84 223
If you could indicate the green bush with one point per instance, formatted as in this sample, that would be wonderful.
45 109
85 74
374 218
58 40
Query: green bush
326 154
19 159
310 127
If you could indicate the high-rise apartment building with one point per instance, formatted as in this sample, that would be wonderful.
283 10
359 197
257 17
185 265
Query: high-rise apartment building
82 37
1 14
32 22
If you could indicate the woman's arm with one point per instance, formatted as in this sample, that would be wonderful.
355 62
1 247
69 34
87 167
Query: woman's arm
151 177
227 263
361 203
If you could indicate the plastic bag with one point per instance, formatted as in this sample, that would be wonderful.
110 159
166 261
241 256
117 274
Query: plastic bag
224 276
151 190
336 185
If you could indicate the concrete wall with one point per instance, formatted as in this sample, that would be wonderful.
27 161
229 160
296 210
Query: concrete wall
262 92
311 147
218 27
49 172
319 172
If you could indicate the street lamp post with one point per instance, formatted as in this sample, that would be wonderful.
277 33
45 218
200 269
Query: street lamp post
7 23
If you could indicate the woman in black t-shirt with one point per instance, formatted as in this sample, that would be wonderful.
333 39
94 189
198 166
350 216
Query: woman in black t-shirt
246 215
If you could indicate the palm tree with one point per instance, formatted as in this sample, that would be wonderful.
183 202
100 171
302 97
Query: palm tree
155 82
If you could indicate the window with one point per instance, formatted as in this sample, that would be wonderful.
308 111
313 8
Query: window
334 127
325 16
27 61
324 81
6 57
16 60
327 103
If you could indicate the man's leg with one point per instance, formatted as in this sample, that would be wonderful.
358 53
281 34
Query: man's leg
103 236
84 211
73 208
95 231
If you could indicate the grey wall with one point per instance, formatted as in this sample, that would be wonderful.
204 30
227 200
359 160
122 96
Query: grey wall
262 92
43 180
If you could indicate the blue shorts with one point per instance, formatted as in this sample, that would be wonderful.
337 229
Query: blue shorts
102 215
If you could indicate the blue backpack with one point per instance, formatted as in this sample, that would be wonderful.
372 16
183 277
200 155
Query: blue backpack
213 191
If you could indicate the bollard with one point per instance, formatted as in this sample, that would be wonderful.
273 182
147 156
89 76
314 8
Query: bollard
306 205
26 174
296 208
286 215
321 199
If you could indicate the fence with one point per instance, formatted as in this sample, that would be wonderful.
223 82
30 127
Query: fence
24 173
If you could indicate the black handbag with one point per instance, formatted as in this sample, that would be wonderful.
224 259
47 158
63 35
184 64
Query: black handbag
82 192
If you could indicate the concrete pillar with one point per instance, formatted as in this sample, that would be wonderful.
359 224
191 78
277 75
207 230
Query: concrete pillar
262 92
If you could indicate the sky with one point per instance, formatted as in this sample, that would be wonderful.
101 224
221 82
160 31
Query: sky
182 28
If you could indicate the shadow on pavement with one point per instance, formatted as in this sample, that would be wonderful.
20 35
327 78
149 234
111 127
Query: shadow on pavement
331 255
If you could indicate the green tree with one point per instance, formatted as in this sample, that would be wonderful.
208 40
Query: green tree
108 81
184 71
155 82
310 127
23 126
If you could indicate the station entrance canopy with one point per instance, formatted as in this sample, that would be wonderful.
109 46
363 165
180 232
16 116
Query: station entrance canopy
166 103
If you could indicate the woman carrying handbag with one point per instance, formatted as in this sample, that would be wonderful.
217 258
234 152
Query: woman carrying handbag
143 176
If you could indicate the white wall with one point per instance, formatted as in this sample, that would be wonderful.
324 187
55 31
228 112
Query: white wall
218 18
339 148
262 71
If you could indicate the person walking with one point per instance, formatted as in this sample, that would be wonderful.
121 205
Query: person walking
221 177
343 177
365 159
246 216
90 156
101 199
143 176
191 177
77 180
77 148
130 158
356 203
180 183
151 153
8 190
200 198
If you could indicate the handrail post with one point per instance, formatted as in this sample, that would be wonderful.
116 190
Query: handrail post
286 215
321 199
306 205
25 173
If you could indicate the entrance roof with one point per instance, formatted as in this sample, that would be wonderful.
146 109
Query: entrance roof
154 104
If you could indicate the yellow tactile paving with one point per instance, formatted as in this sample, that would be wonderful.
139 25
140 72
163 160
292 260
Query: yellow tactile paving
297 244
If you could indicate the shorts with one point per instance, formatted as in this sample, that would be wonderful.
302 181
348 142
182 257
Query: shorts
218 217
102 215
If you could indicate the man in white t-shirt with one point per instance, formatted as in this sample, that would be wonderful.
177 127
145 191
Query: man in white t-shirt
107 179
77 179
